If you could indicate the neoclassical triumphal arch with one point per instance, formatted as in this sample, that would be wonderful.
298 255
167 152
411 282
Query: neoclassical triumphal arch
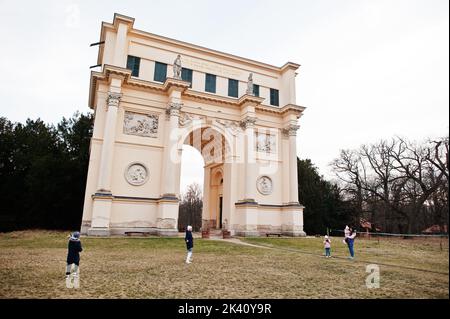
153 95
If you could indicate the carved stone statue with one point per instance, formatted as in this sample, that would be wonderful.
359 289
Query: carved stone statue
177 68
250 84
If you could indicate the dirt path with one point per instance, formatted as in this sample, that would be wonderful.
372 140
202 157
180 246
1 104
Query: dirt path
239 242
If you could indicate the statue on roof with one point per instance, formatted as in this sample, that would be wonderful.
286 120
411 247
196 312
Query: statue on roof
250 84
177 68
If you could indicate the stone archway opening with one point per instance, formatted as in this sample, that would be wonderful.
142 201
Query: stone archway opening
214 148
191 189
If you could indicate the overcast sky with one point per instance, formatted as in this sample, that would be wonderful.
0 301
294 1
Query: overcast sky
370 69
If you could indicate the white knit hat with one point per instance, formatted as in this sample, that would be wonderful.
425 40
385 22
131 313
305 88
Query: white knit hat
326 236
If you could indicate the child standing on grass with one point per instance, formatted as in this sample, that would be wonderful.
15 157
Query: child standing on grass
327 246
350 241
73 257
189 244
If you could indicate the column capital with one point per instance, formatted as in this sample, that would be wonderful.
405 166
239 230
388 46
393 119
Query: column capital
173 109
290 130
113 99
248 122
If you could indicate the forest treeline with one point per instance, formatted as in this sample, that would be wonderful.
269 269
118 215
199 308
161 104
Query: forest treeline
396 185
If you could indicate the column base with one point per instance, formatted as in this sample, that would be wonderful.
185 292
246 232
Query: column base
296 204
85 225
247 201
248 233
170 196
294 233
167 232
100 232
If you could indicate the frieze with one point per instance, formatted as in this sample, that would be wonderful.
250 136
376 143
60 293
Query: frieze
140 124
265 142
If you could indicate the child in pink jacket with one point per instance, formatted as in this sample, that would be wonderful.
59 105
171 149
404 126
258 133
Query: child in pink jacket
327 246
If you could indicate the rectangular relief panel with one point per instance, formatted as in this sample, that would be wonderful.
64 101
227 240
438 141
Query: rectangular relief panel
145 125
265 142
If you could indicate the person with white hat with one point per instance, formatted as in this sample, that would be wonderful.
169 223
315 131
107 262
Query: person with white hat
327 246
189 239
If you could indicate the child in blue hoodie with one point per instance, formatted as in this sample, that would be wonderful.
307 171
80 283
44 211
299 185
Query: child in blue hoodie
73 254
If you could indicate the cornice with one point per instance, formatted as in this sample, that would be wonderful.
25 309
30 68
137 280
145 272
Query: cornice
172 83
119 18
110 70
290 65
250 99
112 26
294 109
204 96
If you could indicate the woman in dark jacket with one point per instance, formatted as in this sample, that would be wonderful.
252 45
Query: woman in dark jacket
189 244
73 255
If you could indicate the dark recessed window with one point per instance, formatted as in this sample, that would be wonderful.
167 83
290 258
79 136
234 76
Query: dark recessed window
160 72
133 63
233 87
210 83
274 97
255 90
186 75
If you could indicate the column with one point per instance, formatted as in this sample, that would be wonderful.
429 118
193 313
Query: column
291 131
102 204
206 195
250 161
292 212
167 220
171 152
248 207
109 135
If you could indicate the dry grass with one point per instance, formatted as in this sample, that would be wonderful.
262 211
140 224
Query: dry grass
32 265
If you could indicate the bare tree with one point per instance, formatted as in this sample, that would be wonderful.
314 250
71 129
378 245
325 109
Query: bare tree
438 156
348 169
399 181
381 180
412 162
190 211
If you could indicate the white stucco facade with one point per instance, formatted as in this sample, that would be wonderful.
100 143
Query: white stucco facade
249 145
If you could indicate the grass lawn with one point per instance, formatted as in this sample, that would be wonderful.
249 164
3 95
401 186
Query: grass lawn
32 265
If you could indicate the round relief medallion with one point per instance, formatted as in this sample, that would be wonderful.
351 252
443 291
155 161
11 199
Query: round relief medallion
136 174
264 185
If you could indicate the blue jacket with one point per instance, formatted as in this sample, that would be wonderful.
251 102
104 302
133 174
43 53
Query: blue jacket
189 240
74 247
